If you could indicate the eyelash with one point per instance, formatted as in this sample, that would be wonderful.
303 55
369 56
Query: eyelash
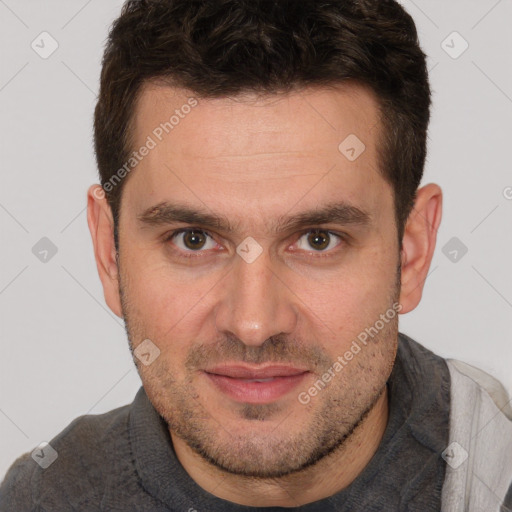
195 254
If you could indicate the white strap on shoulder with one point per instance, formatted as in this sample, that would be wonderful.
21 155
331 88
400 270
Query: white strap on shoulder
479 452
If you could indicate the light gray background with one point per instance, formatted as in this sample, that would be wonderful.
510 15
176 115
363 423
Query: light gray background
64 354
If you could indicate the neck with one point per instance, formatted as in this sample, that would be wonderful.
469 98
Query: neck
327 477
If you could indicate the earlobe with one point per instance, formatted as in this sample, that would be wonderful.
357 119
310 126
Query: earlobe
418 244
101 227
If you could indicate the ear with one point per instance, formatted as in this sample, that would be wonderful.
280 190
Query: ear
418 244
101 226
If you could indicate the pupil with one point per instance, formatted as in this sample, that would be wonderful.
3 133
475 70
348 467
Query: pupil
319 240
194 239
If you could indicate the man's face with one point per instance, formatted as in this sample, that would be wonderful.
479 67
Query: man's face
247 327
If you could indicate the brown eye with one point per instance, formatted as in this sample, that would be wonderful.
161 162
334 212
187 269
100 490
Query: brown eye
192 240
318 240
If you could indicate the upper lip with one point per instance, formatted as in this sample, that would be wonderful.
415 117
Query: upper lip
254 372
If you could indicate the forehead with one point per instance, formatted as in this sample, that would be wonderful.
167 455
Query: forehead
258 152
283 122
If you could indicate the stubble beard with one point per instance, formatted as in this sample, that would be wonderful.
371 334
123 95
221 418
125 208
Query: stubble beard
333 417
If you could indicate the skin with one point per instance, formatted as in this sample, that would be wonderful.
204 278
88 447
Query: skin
254 160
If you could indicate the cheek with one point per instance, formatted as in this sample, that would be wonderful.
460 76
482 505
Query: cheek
169 303
351 296
341 313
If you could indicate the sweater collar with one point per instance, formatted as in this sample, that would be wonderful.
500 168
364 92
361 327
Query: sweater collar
416 433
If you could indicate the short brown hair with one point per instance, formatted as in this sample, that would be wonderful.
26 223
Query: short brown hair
217 48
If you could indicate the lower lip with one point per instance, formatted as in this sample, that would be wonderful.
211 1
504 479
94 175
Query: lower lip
256 392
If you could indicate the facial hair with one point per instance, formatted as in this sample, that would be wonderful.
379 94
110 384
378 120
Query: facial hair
252 450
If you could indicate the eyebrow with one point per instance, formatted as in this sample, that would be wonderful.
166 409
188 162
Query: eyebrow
341 213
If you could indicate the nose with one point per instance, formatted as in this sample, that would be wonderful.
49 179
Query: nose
256 303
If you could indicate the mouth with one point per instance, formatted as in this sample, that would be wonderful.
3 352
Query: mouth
256 384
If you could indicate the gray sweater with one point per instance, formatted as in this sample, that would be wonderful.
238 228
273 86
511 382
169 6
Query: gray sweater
124 460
